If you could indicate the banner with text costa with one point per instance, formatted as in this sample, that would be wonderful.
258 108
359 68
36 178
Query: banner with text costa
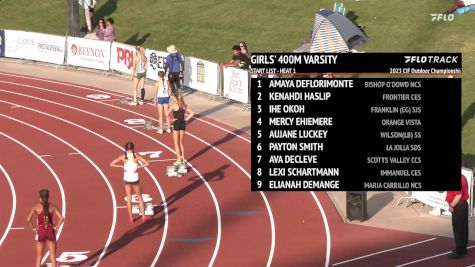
35 46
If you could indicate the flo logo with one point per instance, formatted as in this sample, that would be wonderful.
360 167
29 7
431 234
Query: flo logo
74 49
442 17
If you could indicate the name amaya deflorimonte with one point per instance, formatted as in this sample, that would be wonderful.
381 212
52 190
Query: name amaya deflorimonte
304 83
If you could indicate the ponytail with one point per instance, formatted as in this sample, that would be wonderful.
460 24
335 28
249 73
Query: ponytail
44 195
180 100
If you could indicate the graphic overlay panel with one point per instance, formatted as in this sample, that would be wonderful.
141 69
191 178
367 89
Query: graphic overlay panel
357 134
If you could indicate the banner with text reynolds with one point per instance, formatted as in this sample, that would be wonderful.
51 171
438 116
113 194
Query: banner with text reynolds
390 63
94 54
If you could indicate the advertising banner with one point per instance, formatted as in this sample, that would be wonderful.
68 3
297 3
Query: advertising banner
35 46
122 57
156 62
201 75
437 199
236 84
2 43
88 53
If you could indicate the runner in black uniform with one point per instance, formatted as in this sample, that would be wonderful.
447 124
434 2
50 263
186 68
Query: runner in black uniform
179 124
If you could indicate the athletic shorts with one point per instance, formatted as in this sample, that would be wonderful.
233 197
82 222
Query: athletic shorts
43 234
132 183
141 75
163 100
178 126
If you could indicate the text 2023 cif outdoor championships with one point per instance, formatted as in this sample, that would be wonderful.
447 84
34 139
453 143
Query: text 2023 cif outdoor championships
363 134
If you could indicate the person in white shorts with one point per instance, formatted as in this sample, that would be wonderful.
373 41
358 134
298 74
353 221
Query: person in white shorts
131 178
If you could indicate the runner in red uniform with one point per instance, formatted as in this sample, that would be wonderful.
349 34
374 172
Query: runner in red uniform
45 230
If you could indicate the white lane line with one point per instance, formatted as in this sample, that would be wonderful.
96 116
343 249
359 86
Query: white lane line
155 205
106 100
384 251
162 195
158 160
114 94
61 189
14 107
73 153
269 210
428 258
17 228
327 229
114 210
45 156
12 214
213 196
213 147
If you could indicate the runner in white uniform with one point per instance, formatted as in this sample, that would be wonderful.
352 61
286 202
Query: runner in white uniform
131 178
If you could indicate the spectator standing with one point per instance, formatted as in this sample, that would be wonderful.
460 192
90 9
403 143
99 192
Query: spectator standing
162 98
101 30
458 206
239 60
244 49
174 66
88 6
109 34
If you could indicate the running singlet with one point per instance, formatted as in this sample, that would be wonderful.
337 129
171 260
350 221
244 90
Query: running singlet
179 123
130 169
44 221
162 88
140 66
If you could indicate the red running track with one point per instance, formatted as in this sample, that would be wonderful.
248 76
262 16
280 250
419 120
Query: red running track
210 216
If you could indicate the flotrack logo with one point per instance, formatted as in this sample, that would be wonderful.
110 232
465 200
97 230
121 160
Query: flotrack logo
74 49
431 59
442 17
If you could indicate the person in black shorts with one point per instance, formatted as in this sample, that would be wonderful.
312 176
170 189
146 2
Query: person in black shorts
179 109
